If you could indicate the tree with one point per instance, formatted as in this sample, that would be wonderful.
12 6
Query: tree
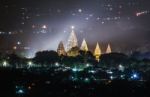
14 60
113 59
87 57
46 57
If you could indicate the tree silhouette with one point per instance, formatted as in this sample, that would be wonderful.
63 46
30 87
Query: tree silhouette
113 59
46 57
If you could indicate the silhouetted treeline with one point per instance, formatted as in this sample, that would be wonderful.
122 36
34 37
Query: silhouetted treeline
112 60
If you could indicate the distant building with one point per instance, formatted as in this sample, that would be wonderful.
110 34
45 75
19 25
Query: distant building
73 49
72 41
61 49
97 52
73 52
84 46
108 50
72 45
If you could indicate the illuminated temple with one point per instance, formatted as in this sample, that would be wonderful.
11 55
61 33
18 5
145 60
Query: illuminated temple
61 49
72 48
97 52
84 46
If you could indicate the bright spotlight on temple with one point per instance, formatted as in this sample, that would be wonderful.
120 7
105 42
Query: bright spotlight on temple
72 48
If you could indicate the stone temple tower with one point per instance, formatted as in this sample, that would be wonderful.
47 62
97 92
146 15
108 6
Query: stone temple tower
108 50
72 41
61 49
97 52
84 46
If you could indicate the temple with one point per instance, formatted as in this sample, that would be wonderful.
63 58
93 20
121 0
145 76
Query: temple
97 52
72 48
72 41
61 49
84 46
108 50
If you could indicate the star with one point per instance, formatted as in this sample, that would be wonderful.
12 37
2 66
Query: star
80 10
87 18
44 27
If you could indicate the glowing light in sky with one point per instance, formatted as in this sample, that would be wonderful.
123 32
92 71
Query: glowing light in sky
79 10
142 13
72 27
18 42
44 26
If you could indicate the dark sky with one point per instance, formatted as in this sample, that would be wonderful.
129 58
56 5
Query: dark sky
123 23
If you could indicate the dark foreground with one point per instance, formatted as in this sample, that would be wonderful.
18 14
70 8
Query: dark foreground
17 83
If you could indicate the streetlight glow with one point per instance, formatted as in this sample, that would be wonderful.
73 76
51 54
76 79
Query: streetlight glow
4 63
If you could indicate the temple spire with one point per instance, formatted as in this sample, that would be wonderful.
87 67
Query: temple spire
72 41
84 46
61 49
97 52
108 50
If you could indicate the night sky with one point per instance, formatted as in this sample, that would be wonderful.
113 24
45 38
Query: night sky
125 24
